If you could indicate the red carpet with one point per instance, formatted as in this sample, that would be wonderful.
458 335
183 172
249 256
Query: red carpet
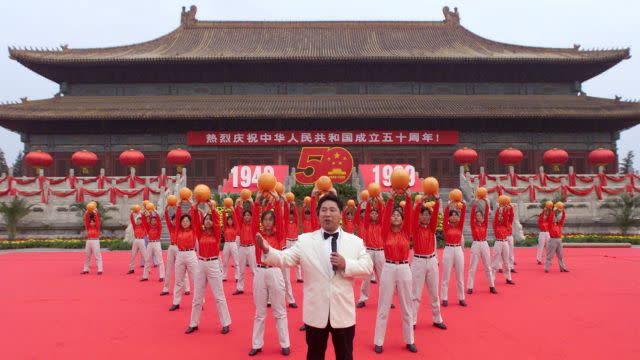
50 311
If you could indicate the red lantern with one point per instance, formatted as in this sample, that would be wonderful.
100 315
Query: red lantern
465 156
510 157
179 158
601 157
555 158
84 160
131 158
38 159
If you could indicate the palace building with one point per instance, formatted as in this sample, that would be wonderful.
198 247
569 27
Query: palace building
257 92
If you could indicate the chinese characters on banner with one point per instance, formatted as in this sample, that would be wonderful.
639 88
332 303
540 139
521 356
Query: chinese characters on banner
293 138
334 162
246 176
381 174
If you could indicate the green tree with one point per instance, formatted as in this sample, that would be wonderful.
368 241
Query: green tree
625 209
13 212
626 165
3 163
18 164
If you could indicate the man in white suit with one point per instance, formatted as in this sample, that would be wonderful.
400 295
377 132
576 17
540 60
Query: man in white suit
331 260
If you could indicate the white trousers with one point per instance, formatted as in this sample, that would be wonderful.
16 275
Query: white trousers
480 250
154 248
230 249
92 246
377 256
500 256
186 262
543 239
453 257
268 285
246 255
171 261
291 243
554 248
137 247
394 277
209 272
512 254
425 271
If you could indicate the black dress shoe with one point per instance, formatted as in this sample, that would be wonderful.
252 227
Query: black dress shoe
462 303
500 271
539 262
412 348
174 307
225 329
440 326
300 280
286 351
144 279
360 304
564 270
155 265
99 272
378 349
303 327
191 329
238 292
374 281
84 272
445 303
141 266
164 293
493 290
268 305
545 270
253 352
510 282
514 271
130 272
161 280
393 306
469 291
223 280
187 292
293 305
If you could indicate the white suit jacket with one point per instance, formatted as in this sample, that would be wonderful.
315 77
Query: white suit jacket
327 296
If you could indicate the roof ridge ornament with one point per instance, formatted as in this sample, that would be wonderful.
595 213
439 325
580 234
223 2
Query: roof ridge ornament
188 18
451 16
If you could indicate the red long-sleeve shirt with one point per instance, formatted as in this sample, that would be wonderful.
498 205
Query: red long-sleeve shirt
153 231
246 231
372 232
171 226
292 225
357 220
396 243
277 238
138 230
453 233
511 215
230 232
186 238
555 227
312 223
93 232
209 239
479 230
500 223
543 225
348 225
424 236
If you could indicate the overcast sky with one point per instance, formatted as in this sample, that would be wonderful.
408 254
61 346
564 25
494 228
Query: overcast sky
549 23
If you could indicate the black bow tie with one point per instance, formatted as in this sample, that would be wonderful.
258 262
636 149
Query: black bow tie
327 235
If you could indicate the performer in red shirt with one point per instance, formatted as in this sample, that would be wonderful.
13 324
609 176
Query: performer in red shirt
138 240
348 222
291 221
208 271
424 266
373 240
453 256
268 284
153 228
543 226
555 221
501 245
92 245
396 232
231 241
186 260
480 247
171 221
247 235
310 221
